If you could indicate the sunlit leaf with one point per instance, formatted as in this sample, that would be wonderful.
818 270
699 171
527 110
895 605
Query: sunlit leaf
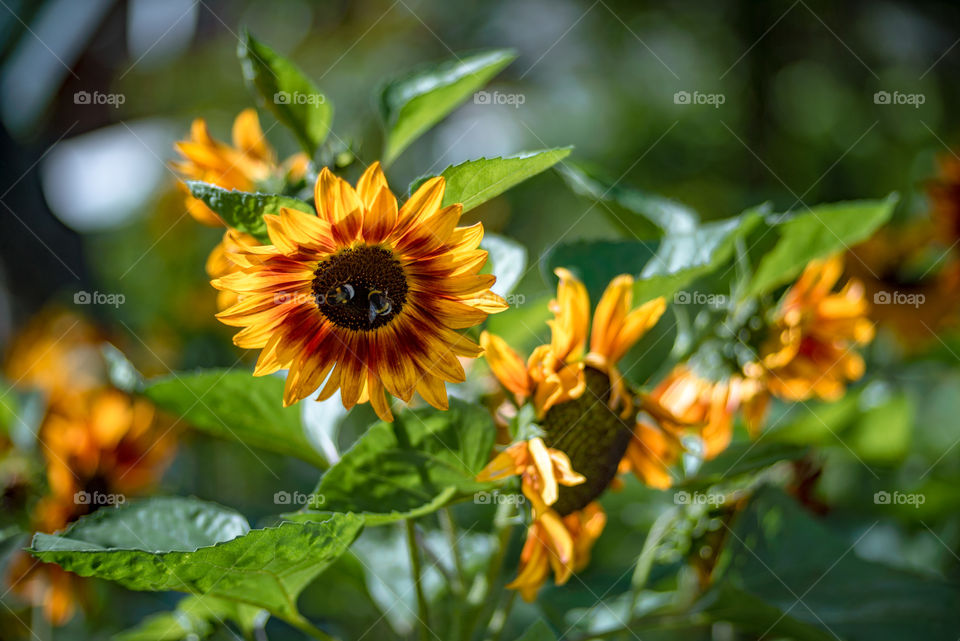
287 92
422 461
237 406
816 233
193 546
195 617
244 211
474 182
413 103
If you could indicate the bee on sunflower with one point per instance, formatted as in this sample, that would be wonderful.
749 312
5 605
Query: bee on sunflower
586 411
365 294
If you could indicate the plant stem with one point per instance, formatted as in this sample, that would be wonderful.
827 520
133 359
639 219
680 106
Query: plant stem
450 528
499 619
503 528
415 571
300 623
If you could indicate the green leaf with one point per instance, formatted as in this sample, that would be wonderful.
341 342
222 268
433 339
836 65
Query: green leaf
413 103
597 262
237 406
785 574
637 213
242 210
819 232
508 259
539 631
200 548
287 92
474 182
682 258
422 461
195 617
743 458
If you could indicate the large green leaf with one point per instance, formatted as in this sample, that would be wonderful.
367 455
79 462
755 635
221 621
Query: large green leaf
195 617
474 182
682 258
287 92
415 102
508 261
238 406
783 573
413 466
637 213
197 547
242 210
816 233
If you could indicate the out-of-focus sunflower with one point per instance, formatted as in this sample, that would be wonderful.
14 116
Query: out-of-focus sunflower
710 407
912 280
97 452
242 166
811 348
944 193
585 411
365 294
57 353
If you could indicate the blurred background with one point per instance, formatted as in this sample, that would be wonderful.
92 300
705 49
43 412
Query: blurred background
720 105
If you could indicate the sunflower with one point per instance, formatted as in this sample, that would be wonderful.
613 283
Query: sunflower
944 194
251 160
810 350
110 444
219 262
364 294
583 407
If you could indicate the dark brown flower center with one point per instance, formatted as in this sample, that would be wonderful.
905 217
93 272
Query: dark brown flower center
361 288
594 437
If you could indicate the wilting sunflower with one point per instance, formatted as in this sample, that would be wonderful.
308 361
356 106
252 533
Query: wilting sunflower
364 295
249 161
97 452
811 348
585 410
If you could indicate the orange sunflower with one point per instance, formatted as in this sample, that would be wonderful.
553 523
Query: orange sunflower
219 262
249 161
585 410
811 349
365 294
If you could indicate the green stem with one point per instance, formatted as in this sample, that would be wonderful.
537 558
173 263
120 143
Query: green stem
306 627
503 528
415 571
499 619
450 529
